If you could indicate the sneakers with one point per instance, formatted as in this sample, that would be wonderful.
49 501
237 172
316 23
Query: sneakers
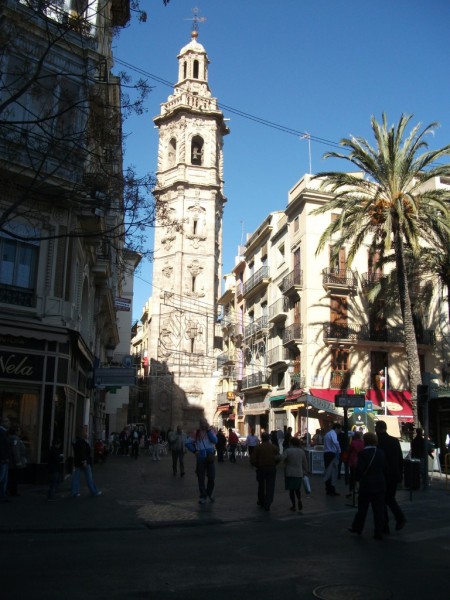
97 494
202 501
75 495
211 499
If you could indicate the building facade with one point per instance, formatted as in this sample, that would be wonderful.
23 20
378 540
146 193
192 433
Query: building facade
310 330
60 218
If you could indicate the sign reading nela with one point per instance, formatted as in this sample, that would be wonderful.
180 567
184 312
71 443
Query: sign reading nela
21 366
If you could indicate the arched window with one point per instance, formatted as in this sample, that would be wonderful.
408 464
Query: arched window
197 150
195 69
172 152
184 70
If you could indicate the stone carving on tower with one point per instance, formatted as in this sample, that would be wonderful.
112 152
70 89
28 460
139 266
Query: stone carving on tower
188 237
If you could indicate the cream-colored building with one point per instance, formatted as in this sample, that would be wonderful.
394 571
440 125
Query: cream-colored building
308 333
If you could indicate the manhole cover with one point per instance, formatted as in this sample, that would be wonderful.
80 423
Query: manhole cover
351 592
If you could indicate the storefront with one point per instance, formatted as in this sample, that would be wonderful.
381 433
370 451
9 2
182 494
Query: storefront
256 415
44 378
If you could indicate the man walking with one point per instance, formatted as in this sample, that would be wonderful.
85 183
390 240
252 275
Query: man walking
203 446
331 453
82 460
4 459
177 441
394 473
265 458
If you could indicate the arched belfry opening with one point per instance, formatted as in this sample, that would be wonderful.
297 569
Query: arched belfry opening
196 69
197 150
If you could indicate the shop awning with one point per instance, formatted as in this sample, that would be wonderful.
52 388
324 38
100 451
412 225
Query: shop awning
276 398
324 404
398 402
294 395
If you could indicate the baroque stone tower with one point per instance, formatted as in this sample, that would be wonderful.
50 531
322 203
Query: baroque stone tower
188 247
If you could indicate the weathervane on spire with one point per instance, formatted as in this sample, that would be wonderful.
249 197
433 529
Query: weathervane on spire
196 19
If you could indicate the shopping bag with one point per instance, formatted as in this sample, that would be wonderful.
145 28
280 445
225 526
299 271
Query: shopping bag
306 484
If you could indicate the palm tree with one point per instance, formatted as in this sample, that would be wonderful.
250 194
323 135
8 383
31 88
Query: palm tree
389 203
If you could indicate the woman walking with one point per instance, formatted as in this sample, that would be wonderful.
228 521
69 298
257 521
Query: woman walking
295 467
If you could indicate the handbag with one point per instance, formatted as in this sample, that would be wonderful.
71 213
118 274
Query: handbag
306 484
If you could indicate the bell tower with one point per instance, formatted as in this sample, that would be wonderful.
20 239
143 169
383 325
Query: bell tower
188 244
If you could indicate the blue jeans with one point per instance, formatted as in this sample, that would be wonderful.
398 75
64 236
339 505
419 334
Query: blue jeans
208 470
87 470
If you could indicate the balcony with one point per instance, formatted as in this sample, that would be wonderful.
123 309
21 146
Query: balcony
257 328
226 358
292 284
341 280
368 280
364 333
224 397
278 311
17 296
293 334
298 381
257 281
255 380
277 355
340 380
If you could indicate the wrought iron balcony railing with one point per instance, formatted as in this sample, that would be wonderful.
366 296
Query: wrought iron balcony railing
279 309
18 296
262 275
292 282
259 326
277 355
354 333
342 278
254 380
293 333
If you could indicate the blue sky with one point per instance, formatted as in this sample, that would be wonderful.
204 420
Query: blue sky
317 66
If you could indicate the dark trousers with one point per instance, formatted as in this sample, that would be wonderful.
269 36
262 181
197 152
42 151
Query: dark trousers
391 502
177 457
205 470
365 499
265 476
220 453
135 449
232 449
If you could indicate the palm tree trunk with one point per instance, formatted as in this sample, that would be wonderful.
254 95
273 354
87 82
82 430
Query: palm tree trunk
412 354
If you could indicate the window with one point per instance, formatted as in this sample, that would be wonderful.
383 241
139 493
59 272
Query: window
340 374
18 262
296 224
172 152
184 70
195 69
281 253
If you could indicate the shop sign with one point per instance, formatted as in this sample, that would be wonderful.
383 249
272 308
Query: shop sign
28 367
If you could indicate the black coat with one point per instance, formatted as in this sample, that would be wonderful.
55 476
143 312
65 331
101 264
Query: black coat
81 453
394 456
371 471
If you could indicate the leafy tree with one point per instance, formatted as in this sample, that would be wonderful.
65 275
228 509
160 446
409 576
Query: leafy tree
61 123
391 205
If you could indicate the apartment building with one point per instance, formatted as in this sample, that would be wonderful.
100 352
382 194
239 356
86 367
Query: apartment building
62 263
309 330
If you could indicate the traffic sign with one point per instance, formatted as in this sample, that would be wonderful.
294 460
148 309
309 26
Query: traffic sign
350 400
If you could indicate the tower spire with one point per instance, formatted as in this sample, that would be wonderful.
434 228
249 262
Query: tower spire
196 20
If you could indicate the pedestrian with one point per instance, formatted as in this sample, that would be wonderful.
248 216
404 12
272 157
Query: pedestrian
265 458
82 460
354 448
233 441
177 445
155 441
135 443
331 453
370 473
273 438
4 459
251 441
202 444
343 440
17 459
317 438
221 445
287 439
55 461
394 474
295 467
280 439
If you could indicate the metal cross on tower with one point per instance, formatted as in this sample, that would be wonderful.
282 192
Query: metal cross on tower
196 19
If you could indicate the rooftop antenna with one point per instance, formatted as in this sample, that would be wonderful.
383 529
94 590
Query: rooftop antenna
196 19
306 136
